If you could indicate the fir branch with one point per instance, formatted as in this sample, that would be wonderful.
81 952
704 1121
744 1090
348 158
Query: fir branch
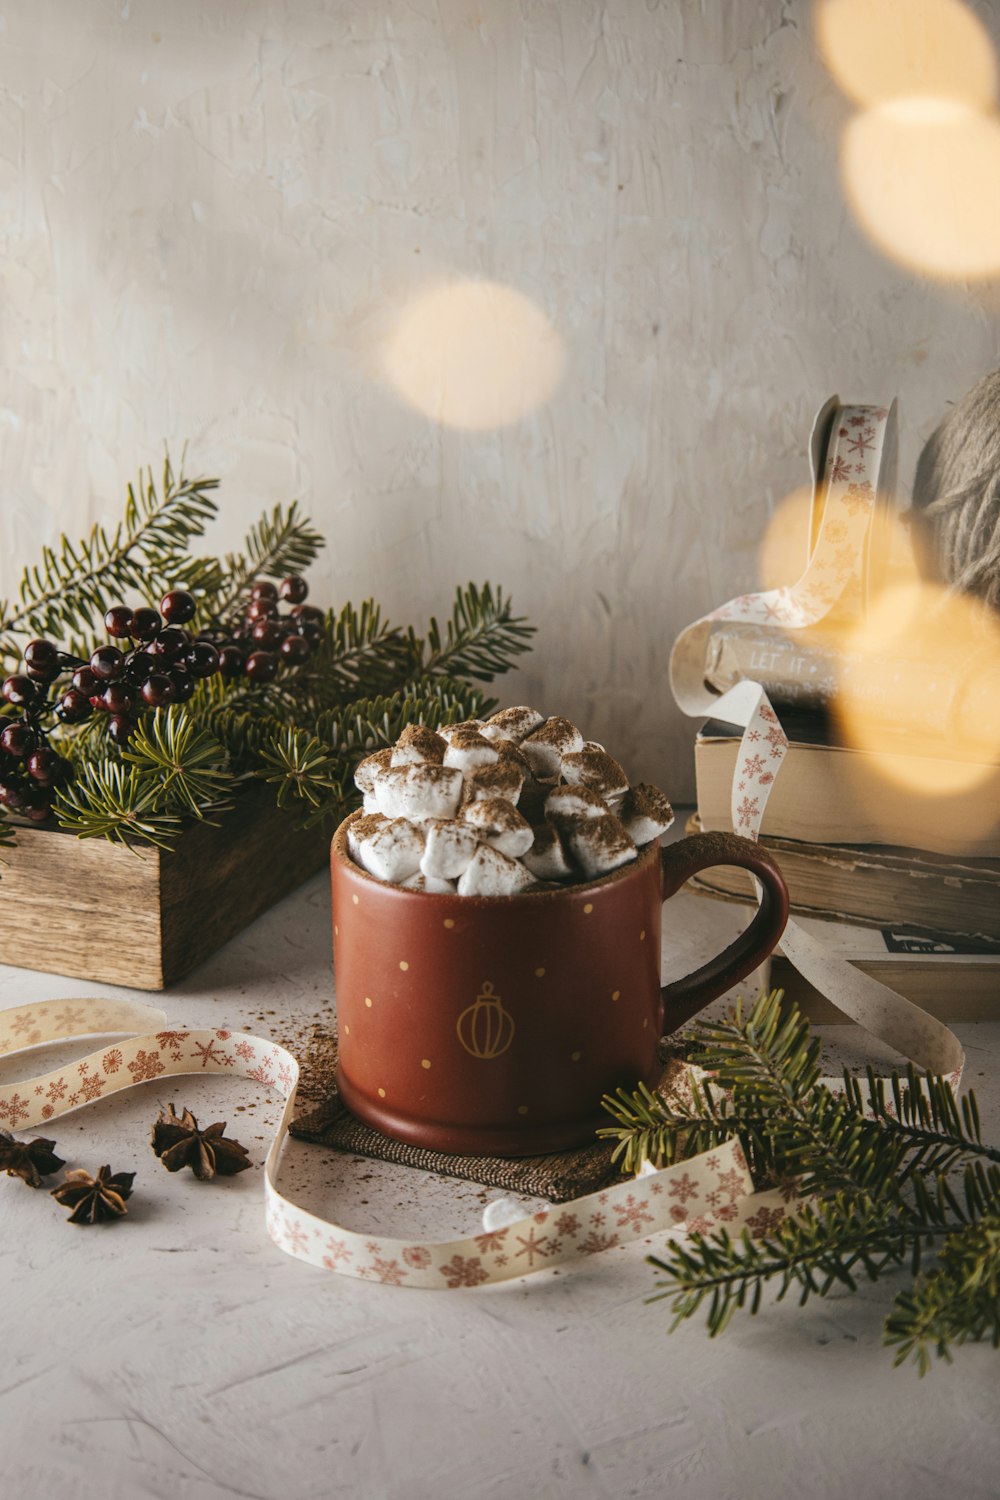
879 1168
481 639
304 769
69 590
278 544
115 802
955 1303
173 753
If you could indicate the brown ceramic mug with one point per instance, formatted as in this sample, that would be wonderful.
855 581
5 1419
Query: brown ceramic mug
493 1025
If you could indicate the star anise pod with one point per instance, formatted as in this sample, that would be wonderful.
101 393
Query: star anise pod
29 1160
178 1142
95 1198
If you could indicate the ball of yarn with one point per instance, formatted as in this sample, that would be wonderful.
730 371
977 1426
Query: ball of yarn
956 495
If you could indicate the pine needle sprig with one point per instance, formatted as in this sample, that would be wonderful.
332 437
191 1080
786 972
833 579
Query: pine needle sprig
303 769
180 757
68 590
481 640
279 543
889 1174
112 801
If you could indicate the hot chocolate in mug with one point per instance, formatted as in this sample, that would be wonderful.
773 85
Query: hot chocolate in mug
493 1025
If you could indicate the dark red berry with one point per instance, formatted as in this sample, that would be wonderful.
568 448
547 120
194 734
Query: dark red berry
294 589
169 644
43 766
261 666
267 635
294 649
43 675
13 794
178 607
118 699
119 728
202 659
308 612
118 621
85 681
107 663
73 706
19 690
146 624
138 667
37 811
262 609
42 655
311 633
158 690
231 661
18 740
184 684
263 589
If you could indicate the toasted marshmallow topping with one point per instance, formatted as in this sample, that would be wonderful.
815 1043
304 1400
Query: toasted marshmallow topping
416 745
369 768
546 746
645 812
494 807
565 804
499 824
492 873
599 845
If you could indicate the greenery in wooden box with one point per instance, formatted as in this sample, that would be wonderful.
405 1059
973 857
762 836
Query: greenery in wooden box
301 732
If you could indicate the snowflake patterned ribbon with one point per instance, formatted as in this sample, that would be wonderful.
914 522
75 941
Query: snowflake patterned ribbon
856 459
707 1192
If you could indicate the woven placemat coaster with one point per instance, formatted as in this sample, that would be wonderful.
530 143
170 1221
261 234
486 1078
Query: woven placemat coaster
556 1178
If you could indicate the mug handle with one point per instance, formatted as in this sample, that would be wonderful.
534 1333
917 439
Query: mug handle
685 997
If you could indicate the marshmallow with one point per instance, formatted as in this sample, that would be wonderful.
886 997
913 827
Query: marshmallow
448 731
393 851
468 751
505 779
599 845
369 769
416 745
361 829
493 874
419 792
645 813
369 804
565 804
429 885
499 823
546 859
546 746
594 768
449 850
507 750
512 723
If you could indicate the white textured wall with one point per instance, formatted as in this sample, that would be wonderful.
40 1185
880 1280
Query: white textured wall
210 210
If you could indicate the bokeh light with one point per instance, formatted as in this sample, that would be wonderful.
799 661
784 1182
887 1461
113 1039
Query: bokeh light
879 50
921 176
475 355
784 549
921 672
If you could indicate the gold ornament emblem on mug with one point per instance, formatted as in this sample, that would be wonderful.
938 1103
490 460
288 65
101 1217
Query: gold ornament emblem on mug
485 1029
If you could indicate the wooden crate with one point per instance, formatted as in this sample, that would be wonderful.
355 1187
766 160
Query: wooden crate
95 910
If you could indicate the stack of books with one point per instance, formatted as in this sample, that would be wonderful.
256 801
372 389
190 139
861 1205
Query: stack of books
904 885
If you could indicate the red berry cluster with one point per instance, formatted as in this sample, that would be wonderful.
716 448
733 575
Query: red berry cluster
156 661
265 637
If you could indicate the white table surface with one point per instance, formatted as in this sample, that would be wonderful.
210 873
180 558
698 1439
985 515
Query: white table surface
180 1355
